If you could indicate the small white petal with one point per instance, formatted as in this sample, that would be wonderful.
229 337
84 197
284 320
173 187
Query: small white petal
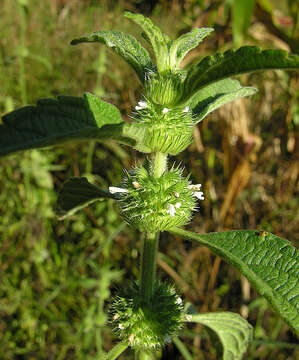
120 326
143 104
176 194
187 108
170 209
178 205
165 110
194 187
179 301
188 317
199 195
115 317
115 190
131 338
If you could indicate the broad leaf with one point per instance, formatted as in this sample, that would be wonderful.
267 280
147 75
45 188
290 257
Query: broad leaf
124 45
234 62
76 194
269 262
158 40
52 122
186 42
234 332
215 95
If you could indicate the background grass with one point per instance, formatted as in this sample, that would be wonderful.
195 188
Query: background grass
56 278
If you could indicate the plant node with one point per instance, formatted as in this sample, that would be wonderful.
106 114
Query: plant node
147 326
154 204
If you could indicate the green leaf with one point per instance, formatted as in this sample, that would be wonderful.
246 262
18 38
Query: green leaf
52 122
159 41
124 45
215 95
234 332
234 62
186 42
76 194
269 262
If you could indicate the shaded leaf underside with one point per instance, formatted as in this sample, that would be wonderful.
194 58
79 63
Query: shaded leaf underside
77 193
270 263
213 96
234 332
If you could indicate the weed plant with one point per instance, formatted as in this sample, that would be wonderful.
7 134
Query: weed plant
67 256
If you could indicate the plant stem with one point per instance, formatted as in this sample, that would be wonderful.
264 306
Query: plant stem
159 164
148 265
116 351
151 240
145 356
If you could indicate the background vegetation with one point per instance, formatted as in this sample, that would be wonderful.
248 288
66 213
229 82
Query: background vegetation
56 278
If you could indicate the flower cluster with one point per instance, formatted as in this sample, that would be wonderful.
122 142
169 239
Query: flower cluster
166 129
157 204
147 326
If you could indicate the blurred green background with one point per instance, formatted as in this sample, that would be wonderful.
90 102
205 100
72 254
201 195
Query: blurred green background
56 278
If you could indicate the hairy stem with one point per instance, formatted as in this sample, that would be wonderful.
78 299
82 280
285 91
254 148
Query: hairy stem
148 265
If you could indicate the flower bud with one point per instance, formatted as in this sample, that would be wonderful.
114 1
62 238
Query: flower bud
164 88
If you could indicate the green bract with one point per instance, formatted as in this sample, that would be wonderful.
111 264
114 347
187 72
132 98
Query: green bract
147 326
156 204
166 130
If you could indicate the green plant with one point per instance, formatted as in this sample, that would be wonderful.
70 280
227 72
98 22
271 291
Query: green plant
154 196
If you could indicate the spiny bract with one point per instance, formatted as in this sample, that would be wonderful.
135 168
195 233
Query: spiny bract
157 204
147 326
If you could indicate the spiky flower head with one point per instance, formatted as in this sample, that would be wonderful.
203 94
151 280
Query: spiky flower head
147 326
157 204
166 129
165 88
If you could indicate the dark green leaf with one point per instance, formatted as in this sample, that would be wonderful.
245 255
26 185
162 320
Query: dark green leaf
269 262
76 194
234 62
215 95
52 122
124 45
234 332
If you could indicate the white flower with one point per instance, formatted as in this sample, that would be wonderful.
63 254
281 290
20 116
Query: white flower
176 194
178 205
165 110
120 326
199 195
178 301
188 317
141 105
194 187
115 190
170 209
186 109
